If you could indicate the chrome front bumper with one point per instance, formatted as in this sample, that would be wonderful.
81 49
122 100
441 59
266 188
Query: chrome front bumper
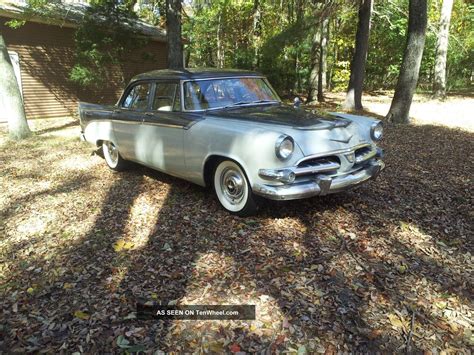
321 185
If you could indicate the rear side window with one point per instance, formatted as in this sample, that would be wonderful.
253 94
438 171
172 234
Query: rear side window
137 98
165 96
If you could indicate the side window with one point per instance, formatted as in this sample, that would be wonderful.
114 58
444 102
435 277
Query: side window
137 98
166 96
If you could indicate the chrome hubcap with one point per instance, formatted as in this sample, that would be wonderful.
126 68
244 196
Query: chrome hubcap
112 151
232 185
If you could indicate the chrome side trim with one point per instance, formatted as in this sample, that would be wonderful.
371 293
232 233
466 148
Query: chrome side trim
333 152
141 122
119 121
169 125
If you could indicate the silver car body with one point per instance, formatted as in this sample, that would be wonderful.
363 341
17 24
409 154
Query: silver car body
328 157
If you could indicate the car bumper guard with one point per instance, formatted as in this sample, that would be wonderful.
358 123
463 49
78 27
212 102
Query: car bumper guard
321 185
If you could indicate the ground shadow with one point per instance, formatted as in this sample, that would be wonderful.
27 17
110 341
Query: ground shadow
331 265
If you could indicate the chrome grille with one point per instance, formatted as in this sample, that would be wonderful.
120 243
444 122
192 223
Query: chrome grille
317 165
364 153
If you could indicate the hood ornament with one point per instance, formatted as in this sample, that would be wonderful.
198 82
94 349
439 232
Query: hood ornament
341 123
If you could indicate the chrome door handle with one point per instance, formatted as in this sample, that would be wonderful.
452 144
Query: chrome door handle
149 114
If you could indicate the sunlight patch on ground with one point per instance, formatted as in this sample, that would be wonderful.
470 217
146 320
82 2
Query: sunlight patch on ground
77 162
455 112
35 224
70 132
142 220
435 249
449 311
288 224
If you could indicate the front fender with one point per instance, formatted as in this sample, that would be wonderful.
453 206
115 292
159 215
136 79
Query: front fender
251 146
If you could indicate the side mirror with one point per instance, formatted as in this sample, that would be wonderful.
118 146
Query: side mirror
296 102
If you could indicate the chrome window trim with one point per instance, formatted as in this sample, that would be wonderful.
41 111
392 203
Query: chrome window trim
334 152
182 82
119 104
156 82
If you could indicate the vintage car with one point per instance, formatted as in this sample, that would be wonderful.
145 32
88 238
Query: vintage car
228 129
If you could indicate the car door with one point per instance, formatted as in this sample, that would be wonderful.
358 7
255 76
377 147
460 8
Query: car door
128 118
160 142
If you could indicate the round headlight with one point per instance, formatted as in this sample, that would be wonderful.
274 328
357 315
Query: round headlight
284 147
377 131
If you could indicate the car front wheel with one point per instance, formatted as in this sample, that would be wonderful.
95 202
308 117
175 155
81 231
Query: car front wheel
233 189
112 157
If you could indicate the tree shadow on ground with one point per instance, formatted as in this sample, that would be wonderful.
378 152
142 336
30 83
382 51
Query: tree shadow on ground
73 123
402 194
333 270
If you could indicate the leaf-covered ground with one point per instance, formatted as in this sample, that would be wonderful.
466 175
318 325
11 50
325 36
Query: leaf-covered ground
387 267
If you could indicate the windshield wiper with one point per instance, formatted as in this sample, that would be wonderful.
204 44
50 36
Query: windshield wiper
239 103
262 101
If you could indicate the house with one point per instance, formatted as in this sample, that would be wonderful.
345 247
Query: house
42 53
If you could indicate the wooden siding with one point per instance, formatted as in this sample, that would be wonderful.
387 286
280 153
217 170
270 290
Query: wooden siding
46 55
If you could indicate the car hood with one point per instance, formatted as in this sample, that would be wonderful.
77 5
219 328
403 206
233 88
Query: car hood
313 131
281 115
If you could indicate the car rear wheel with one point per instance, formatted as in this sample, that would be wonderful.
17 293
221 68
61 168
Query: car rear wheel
233 189
112 157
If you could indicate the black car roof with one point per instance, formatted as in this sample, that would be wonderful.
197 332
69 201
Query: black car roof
193 73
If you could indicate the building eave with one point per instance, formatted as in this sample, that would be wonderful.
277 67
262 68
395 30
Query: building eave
15 11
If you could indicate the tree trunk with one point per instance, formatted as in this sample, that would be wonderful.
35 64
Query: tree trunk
220 45
439 84
173 29
335 58
322 60
356 82
257 31
11 102
410 68
314 74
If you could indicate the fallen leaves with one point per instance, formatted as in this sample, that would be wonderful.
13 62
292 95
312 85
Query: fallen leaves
397 322
124 344
81 315
123 245
80 246
234 348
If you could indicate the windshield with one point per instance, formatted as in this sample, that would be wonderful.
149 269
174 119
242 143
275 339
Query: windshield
218 93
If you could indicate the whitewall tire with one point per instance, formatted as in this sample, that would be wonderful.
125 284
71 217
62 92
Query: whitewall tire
233 189
112 156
